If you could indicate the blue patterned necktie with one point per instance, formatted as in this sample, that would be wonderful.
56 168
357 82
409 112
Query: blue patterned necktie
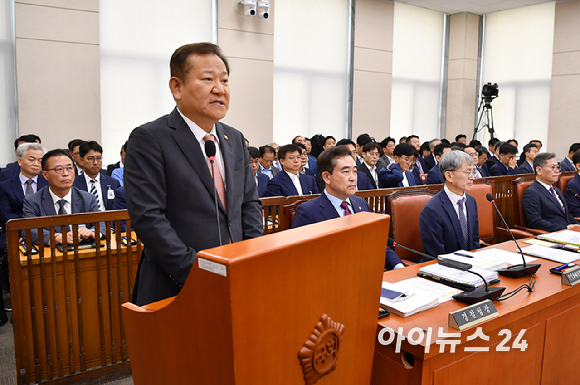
463 221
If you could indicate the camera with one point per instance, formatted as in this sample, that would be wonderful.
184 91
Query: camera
249 7
489 92
264 9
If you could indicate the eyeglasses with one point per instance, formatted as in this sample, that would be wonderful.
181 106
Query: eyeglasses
556 168
93 159
470 174
60 169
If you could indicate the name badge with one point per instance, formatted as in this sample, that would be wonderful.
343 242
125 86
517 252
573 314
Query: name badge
110 194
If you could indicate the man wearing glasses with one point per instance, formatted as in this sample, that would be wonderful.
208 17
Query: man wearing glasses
59 197
544 205
92 179
397 174
370 154
449 221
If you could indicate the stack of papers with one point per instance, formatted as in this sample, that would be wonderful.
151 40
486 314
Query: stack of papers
454 275
558 255
567 237
508 257
420 294
489 261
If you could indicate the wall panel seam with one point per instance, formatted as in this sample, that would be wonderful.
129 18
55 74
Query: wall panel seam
373 49
249 58
372 72
52 6
56 41
244 31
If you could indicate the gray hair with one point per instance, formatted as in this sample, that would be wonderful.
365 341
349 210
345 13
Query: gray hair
541 159
453 160
24 147
432 142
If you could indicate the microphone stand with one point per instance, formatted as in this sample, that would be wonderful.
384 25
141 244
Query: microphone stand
215 195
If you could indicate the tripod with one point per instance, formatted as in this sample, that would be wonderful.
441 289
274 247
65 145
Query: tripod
485 119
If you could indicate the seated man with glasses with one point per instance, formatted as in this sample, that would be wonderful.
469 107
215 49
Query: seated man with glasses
397 174
59 197
370 155
434 176
93 179
449 220
544 205
290 181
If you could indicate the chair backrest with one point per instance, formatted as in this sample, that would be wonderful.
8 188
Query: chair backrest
519 187
289 211
485 212
406 207
564 179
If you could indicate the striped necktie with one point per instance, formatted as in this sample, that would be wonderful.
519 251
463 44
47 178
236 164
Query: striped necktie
95 193
219 181
463 222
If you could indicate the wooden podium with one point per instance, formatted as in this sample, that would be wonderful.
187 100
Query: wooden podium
248 309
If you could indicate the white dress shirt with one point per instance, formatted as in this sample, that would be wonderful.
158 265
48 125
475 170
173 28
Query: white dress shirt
454 198
296 180
23 181
98 187
67 198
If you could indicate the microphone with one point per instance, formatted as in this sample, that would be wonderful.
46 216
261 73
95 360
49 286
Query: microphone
515 271
477 294
210 153
572 192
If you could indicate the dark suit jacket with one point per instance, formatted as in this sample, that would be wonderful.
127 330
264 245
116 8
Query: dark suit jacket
572 201
382 162
106 182
434 176
170 198
424 165
499 169
262 184
567 165
308 172
320 209
11 171
543 211
12 198
364 169
440 228
275 170
281 185
120 203
312 164
429 162
483 170
394 177
416 175
363 182
42 205
113 166
491 160
525 168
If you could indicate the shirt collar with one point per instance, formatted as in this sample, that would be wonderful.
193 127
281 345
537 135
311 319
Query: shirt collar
23 179
546 186
292 176
88 178
337 201
372 169
67 197
197 131
454 198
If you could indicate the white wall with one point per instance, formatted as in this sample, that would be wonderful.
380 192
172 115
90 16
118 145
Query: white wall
7 91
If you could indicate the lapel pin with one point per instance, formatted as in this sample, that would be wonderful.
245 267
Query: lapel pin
226 137
359 208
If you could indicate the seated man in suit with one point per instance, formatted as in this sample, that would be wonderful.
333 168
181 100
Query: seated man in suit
388 147
361 140
290 181
362 181
73 151
507 161
311 161
544 205
449 220
434 176
338 170
117 172
481 159
370 156
530 152
267 156
92 179
59 197
12 169
566 164
119 164
573 197
304 161
397 174
493 152
261 179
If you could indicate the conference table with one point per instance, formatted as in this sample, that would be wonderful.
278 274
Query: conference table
545 353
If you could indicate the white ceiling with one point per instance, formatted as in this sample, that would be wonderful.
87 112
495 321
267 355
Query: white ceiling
478 7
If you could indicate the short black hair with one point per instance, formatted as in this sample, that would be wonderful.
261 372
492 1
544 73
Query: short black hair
438 149
507 148
267 149
53 153
497 145
481 150
73 143
344 142
302 147
282 151
253 152
179 65
371 146
329 137
124 146
425 147
528 147
85 147
458 146
576 158
512 140
363 139
492 141
297 136
444 140
385 142
404 149
411 137
30 138
402 138
460 136
541 159
327 159
475 143
574 147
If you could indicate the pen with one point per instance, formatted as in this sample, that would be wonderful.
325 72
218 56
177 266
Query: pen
564 266
463 255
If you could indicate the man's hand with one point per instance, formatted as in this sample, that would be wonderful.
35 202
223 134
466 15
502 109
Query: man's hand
69 238
85 233
574 227
512 163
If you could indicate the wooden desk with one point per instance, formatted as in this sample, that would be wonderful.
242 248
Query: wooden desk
550 314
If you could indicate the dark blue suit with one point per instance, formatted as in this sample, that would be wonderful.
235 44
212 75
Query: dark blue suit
120 203
106 181
428 163
416 175
11 171
394 177
12 198
566 165
262 184
41 205
572 201
281 185
112 167
499 169
312 165
434 176
365 170
308 172
363 182
543 211
440 227
320 209
484 171
525 168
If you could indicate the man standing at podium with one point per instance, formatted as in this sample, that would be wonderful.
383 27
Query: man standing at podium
168 183
337 168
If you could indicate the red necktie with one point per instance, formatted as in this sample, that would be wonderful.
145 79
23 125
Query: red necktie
219 182
344 205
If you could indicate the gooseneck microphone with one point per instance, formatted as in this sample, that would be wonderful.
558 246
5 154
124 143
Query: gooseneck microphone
476 294
210 153
572 192
515 271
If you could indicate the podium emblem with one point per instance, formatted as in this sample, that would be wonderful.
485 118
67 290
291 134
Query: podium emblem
319 353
